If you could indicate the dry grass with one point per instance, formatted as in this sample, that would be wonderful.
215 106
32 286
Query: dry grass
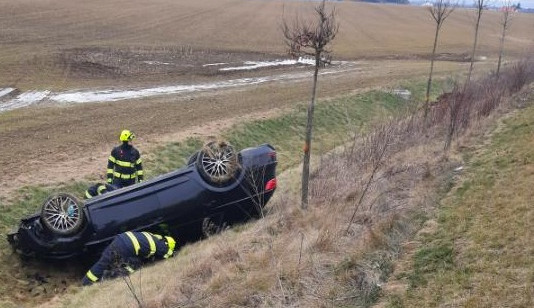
289 258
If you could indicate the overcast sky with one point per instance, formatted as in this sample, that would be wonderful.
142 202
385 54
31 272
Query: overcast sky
524 3
527 3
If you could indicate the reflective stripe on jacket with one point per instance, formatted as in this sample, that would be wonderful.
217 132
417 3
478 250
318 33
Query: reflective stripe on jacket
124 164
98 189
129 246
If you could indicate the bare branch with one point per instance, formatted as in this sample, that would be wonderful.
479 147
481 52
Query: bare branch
479 5
312 35
440 10
507 11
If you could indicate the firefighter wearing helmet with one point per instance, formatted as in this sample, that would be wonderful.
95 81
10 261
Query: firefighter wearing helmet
124 164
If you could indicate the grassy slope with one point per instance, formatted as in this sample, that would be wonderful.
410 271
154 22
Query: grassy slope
481 252
260 262
356 110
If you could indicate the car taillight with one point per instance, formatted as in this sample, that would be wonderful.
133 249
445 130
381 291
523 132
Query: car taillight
271 185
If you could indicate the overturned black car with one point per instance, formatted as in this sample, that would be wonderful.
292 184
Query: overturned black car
218 187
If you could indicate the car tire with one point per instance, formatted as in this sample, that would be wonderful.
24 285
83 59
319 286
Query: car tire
62 214
218 163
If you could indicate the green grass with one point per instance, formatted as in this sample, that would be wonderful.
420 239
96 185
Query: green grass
481 253
28 200
334 122
171 156
439 86
433 257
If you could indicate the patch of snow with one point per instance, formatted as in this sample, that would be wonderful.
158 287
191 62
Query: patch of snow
24 99
6 91
111 95
116 95
157 63
252 65
306 60
214 64
403 93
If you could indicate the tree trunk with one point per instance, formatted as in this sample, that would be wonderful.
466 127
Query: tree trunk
429 83
474 49
501 50
307 144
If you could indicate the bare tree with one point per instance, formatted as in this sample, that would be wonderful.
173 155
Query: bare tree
310 38
506 19
479 5
440 10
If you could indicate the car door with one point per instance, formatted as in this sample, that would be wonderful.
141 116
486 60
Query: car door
129 208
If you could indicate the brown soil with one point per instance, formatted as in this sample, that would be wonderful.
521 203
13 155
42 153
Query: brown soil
152 63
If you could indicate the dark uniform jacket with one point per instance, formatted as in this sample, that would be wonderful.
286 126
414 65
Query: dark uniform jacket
124 166
127 250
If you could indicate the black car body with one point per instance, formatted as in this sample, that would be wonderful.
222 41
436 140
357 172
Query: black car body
188 200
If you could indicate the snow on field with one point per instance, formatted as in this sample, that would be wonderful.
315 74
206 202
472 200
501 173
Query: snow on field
251 65
214 64
23 100
157 63
110 95
6 91
115 95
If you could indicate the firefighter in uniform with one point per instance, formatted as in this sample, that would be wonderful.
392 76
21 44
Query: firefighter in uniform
124 164
98 189
126 253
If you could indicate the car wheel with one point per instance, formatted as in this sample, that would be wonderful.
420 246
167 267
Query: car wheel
62 214
218 163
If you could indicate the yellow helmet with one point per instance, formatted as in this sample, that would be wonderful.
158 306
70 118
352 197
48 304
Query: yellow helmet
126 136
